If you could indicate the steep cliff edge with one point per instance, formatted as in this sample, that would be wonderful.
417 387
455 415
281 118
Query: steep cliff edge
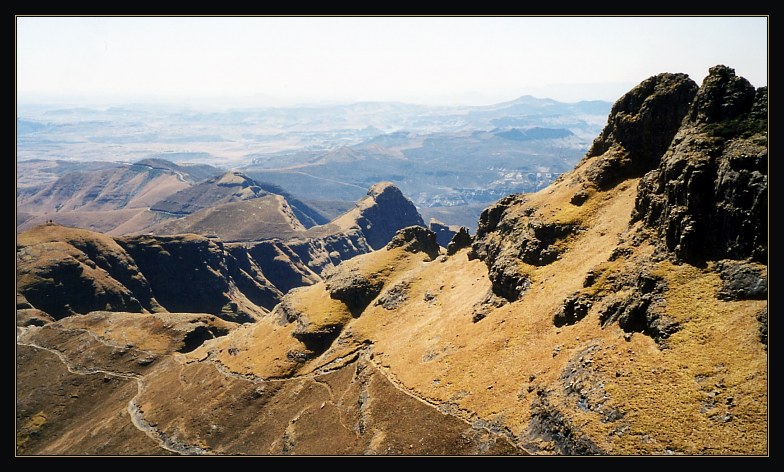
708 197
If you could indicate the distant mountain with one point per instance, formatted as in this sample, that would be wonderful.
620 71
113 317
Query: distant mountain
229 188
264 217
34 174
441 156
107 197
441 170
225 188
378 216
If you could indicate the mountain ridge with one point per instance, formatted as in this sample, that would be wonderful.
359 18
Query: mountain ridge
581 319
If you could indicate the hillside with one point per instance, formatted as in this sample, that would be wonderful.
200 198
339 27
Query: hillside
65 271
105 198
621 310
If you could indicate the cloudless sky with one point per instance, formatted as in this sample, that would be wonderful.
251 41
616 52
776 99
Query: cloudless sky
425 60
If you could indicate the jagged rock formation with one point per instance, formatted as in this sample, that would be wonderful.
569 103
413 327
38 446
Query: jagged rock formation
461 240
708 197
504 238
415 239
378 216
641 126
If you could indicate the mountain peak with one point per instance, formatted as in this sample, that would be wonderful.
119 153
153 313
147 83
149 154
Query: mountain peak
640 127
723 96
382 187
235 179
378 215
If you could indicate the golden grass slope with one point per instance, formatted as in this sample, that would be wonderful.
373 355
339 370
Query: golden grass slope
705 393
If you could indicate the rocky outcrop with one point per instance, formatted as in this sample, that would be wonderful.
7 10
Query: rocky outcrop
383 212
742 281
707 199
416 239
573 309
549 423
394 297
354 289
640 128
509 232
461 240
641 308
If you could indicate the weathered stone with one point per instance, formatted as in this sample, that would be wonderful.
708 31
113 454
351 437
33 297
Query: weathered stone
462 239
579 198
573 309
707 200
394 297
640 128
352 288
741 281
416 239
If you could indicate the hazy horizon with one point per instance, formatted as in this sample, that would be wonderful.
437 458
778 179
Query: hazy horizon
264 61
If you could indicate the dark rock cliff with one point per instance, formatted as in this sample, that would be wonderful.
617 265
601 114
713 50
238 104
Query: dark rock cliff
702 158
707 199
390 212
641 126
187 274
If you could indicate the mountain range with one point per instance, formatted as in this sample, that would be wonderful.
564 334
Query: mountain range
621 310
451 161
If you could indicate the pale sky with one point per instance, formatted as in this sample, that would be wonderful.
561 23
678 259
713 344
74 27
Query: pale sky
420 60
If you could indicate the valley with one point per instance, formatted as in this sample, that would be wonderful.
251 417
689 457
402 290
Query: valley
308 281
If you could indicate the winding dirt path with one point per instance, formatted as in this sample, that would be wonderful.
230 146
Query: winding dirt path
171 444
134 410
469 418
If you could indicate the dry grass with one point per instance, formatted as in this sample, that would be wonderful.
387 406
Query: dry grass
486 369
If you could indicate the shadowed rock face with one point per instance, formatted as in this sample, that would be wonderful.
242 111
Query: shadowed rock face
462 239
392 210
707 199
187 274
641 126
64 271
416 239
